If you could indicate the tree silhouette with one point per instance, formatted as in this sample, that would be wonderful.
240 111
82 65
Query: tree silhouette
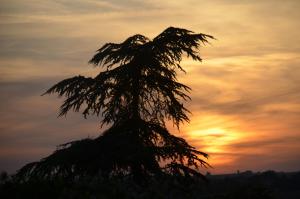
134 95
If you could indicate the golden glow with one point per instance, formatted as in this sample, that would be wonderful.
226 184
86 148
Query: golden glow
215 138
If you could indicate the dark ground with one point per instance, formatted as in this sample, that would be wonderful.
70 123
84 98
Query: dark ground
245 185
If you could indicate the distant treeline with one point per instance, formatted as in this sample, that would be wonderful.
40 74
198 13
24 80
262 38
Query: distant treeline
244 185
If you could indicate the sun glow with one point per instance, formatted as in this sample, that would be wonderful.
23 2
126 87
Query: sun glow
216 142
215 139
213 134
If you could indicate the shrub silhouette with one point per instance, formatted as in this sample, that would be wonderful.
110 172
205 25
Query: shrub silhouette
134 95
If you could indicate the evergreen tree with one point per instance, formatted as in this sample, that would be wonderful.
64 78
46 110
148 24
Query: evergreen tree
134 95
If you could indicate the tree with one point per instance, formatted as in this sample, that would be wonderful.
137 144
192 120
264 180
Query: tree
134 95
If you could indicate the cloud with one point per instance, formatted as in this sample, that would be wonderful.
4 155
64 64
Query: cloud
264 142
33 7
258 82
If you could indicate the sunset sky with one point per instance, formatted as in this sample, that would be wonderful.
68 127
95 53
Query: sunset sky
245 94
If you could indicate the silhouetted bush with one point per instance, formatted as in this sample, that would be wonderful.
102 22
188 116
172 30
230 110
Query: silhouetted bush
235 186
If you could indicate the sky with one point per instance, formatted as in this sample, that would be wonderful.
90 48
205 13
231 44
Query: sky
245 108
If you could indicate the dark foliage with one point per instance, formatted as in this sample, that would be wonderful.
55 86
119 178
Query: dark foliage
266 185
135 94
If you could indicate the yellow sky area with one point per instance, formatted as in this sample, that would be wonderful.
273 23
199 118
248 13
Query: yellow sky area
229 139
243 106
213 134
214 139
221 137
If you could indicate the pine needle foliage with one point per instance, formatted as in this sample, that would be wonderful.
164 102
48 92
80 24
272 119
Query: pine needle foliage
136 92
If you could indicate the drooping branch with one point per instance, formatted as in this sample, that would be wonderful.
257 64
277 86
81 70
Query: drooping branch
111 54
